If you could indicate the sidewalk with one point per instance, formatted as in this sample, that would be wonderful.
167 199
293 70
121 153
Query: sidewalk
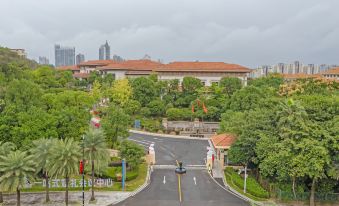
58 198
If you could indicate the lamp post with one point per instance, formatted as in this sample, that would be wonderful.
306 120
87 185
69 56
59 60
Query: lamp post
83 170
245 178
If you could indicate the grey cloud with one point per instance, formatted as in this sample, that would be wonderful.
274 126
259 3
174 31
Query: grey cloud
248 32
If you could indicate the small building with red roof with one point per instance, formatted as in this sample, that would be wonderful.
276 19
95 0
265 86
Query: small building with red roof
221 144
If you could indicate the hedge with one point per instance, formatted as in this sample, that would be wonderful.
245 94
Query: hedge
252 186
112 171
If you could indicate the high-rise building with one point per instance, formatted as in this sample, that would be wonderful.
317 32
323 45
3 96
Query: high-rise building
43 60
105 51
64 56
117 58
80 58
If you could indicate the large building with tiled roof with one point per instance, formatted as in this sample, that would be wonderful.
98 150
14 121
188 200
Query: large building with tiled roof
208 72
331 74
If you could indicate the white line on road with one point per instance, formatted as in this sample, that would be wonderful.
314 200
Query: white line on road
164 180
141 142
195 180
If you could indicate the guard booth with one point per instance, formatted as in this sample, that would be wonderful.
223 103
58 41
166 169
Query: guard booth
221 144
150 157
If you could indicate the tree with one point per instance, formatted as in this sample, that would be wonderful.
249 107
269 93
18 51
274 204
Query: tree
64 162
132 152
95 150
70 110
144 90
96 91
312 159
230 85
115 123
45 76
132 107
272 80
156 107
17 168
5 148
121 92
190 85
23 94
247 98
41 151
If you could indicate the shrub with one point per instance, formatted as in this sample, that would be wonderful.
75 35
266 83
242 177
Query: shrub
252 186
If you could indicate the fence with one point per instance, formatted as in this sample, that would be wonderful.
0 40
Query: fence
302 196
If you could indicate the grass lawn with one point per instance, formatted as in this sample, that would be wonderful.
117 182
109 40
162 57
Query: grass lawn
230 181
130 185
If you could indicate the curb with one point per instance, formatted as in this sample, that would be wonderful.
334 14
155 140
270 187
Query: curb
142 187
240 195
165 135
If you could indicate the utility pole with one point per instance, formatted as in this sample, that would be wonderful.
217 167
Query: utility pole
123 174
245 178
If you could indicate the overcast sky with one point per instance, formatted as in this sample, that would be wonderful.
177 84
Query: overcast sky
247 32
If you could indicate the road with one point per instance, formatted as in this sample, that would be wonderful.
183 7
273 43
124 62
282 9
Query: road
196 187
168 150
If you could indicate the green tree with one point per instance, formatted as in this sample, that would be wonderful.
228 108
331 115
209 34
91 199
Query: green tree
132 152
23 94
70 110
17 168
272 80
230 85
247 98
190 85
5 148
121 92
64 162
41 151
144 90
156 107
115 123
96 91
95 151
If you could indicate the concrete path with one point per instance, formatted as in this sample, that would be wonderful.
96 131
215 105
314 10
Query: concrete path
58 198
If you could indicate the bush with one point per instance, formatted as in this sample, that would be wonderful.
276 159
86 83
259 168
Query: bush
111 172
179 114
252 186
151 125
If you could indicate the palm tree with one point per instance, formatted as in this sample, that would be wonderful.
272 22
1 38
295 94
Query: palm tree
95 150
41 151
64 161
17 167
5 148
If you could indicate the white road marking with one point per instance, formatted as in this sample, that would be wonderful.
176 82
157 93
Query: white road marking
164 180
195 180
141 142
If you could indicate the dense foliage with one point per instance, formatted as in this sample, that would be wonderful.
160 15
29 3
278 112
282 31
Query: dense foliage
287 133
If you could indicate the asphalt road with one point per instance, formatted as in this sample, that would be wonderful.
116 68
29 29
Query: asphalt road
168 150
196 187
201 192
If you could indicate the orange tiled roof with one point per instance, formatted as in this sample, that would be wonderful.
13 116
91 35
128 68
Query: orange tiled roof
132 65
96 63
332 71
223 141
202 67
81 75
300 76
66 68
